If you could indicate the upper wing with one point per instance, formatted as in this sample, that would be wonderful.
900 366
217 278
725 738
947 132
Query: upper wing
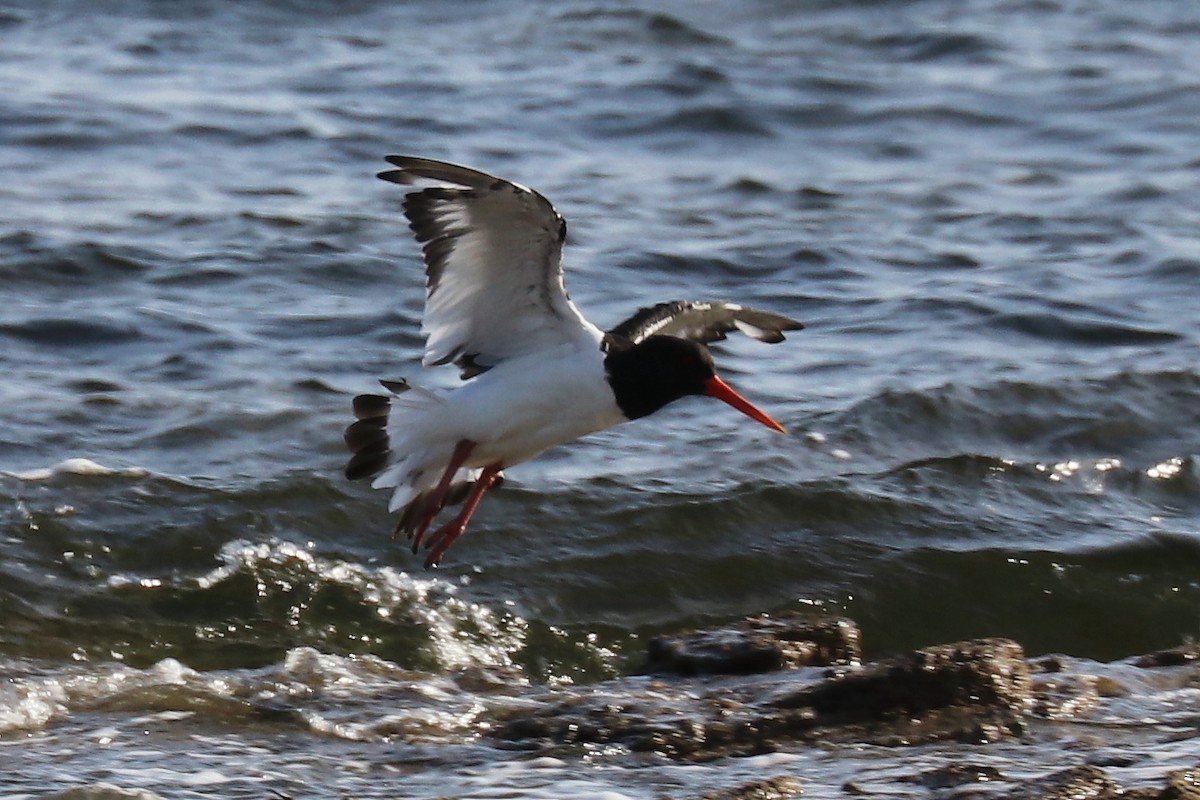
699 321
493 265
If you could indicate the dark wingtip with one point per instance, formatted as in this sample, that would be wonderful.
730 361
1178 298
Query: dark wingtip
402 175
393 176
775 335
367 406
367 437
366 433
766 326
403 162
368 462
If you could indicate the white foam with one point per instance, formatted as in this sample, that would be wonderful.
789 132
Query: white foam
461 634
102 791
205 777
29 705
76 466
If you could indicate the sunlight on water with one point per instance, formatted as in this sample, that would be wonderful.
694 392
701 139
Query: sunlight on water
985 217
1166 470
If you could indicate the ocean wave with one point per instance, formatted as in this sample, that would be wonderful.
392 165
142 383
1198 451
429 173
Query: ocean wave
360 698
186 590
71 331
1093 333
76 466
453 633
27 259
717 119
1123 414
654 26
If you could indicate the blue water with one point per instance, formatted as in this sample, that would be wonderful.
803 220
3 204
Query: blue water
986 214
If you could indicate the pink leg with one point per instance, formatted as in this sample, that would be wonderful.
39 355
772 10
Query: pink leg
446 535
438 499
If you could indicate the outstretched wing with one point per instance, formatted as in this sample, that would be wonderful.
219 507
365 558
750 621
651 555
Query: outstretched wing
699 321
493 265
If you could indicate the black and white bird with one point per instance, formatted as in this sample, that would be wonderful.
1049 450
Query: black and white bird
536 373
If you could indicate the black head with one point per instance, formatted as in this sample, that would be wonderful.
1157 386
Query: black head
658 370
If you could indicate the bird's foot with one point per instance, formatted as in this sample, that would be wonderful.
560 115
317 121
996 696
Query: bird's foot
440 541
418 532
443 537
436 500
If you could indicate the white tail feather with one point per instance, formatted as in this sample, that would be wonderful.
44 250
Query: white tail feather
410 469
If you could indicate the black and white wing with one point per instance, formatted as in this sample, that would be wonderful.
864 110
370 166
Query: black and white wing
493 265
699 321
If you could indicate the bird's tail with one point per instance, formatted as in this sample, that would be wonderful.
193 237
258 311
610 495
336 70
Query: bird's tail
381 443
384 448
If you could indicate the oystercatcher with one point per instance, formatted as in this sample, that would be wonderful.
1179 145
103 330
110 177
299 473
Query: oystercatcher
536 373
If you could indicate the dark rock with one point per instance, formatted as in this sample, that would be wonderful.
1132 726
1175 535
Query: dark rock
487 679
758 644
984 673
778 788
976 691
953 775
1175 657
972 691
606 719
676 724
1050 664
1064 696
1076 783
1183 784
1121 760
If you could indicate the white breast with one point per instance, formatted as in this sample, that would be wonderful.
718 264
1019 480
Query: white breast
524 406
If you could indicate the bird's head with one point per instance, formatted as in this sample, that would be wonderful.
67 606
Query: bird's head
661 369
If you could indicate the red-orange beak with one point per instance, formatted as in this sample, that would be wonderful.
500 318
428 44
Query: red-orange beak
715 387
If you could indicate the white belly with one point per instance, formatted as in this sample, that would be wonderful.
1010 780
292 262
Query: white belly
525 406
513 412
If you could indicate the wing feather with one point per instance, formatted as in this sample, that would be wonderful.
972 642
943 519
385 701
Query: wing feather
493 265
699 321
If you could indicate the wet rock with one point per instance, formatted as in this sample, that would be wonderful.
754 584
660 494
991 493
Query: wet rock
605 717
1087 782
1146 793
1174 657
976 690
486 680
952 775
973 691
758 644
674 721
778 788
1120 760
1062 696
1182 784
1076 783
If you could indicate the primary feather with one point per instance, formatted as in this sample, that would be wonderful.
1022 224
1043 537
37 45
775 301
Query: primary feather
493 265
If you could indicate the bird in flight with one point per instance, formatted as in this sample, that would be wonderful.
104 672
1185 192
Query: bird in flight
536 373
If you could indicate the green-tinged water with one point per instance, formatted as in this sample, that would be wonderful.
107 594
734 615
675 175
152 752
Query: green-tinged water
985 215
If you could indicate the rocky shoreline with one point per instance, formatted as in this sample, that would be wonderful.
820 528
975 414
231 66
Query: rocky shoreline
800 680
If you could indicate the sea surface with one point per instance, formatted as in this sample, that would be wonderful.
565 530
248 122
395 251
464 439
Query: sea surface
987 213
